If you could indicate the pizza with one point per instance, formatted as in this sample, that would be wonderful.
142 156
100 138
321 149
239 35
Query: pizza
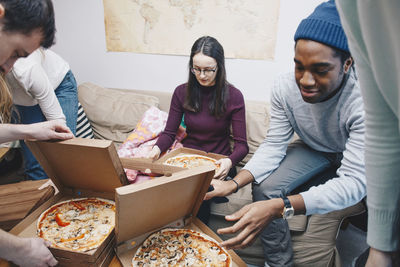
181 247
77 224
190 161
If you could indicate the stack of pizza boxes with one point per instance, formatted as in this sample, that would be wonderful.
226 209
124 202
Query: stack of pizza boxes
79 168
91 168
170 201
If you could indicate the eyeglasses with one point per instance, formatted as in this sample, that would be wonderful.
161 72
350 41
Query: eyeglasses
207 72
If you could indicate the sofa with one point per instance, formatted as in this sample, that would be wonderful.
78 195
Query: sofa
114 113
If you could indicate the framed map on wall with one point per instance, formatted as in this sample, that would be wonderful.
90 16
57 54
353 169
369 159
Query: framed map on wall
245 28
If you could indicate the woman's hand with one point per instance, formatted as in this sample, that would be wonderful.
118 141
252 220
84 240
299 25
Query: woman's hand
221 188
154 153
225 164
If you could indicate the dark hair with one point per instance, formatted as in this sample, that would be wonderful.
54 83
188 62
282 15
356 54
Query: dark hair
208 46
25 16
342 55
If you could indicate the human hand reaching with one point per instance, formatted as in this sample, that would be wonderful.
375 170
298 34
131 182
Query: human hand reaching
34 252
48 130
222 171
251 219
154 153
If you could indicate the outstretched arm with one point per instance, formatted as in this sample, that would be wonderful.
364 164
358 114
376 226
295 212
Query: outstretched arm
40 131
252 218
25 251
175 114
225 188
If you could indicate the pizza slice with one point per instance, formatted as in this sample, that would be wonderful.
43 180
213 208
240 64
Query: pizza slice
181 247
77 224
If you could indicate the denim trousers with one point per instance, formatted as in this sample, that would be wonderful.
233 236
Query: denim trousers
300 166
67 95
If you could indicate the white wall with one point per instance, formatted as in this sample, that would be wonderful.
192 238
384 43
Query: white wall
81 41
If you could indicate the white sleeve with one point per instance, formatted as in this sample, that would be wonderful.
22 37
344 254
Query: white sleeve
40 88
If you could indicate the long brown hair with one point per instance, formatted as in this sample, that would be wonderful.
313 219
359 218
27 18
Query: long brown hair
208 46
5 101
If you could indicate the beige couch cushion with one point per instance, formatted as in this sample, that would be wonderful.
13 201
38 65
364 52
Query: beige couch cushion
164 97
113 113
257 119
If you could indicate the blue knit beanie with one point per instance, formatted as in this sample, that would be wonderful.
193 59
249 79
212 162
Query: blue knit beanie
323 26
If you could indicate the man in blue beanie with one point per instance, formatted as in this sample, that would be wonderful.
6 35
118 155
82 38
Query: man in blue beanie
322 104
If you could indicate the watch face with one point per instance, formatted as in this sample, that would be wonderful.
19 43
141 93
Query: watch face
288 213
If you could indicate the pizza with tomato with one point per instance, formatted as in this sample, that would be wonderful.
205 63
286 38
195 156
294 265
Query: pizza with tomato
181 247
77 224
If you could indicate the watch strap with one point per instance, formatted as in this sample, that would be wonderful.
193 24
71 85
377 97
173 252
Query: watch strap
286 202
237 186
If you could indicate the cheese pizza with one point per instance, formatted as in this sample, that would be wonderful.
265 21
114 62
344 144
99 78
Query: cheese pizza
190 161
77 224
181 247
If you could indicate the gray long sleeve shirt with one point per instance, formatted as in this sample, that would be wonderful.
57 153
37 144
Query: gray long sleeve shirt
372 28
335 125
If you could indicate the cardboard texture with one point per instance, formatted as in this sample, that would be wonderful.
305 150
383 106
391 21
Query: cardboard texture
147 166
3 152
19 199
79 168
80 164
163 202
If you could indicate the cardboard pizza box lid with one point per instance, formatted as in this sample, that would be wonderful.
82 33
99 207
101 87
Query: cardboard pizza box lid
185 150
168 201
80 164
148 166
151 205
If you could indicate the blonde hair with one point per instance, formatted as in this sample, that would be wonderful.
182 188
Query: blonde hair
5 101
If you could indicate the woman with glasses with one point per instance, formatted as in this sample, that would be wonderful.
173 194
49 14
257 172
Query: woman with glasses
212 109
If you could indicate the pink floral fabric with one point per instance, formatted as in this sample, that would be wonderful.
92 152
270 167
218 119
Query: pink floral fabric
140 142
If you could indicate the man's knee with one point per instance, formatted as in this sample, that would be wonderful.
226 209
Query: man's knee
265 191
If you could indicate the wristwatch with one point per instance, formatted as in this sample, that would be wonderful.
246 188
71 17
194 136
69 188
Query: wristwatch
288 211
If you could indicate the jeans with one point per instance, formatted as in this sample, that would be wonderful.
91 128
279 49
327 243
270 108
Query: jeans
301 165
67 95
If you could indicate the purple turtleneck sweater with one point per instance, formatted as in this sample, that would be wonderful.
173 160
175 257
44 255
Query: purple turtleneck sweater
204 131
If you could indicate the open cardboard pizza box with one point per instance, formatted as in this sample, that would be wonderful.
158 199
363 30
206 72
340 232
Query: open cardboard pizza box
78 168
170 201
185 150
